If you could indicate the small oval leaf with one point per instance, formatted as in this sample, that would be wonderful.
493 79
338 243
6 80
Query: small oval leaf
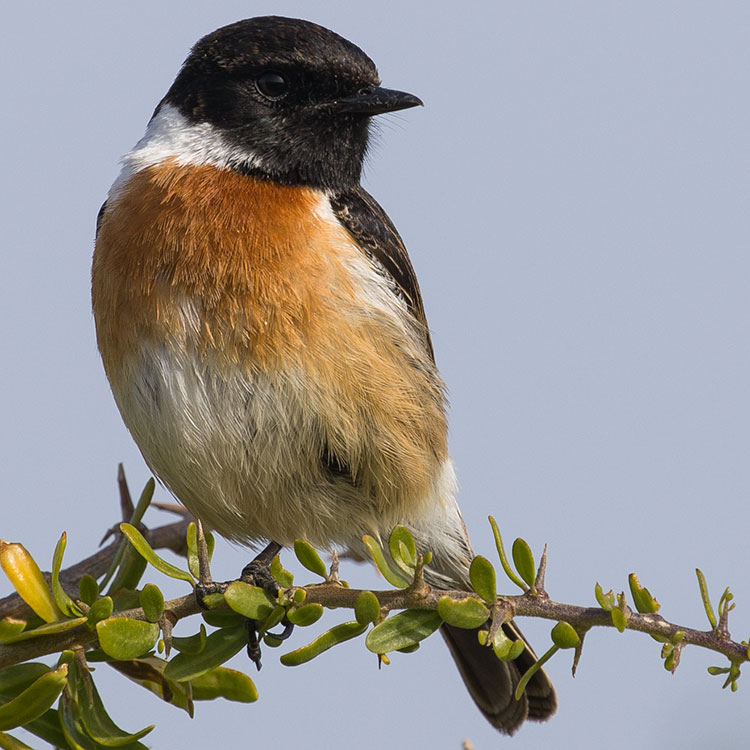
283 577
618 619
100 610
564 635
483 579
123 638
152 602
305 615
367 608
309 558
463 613
249 601
88 589
402 630
524 561
224 683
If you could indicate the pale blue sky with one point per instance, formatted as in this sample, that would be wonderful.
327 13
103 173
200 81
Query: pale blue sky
574 196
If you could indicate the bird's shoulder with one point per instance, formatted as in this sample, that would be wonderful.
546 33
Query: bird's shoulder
373 231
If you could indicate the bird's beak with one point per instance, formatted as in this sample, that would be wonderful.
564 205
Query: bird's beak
376 101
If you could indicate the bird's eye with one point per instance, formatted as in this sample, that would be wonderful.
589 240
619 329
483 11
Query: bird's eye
271 85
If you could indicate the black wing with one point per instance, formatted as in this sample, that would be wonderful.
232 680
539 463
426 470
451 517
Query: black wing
375 234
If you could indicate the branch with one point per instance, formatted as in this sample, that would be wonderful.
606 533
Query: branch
170 536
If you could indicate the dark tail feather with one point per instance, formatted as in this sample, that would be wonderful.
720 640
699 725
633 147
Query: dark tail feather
492 682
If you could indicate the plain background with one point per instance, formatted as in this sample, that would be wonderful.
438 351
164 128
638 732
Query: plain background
574 196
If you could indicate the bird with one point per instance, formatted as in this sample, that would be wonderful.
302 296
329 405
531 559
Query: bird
262 328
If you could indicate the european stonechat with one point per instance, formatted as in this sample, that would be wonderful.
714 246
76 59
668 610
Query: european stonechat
261 324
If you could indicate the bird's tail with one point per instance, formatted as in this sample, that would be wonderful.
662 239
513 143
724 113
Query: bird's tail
492 683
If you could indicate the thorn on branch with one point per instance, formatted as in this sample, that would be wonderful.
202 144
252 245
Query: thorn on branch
541 572
333 573
419 588
204 568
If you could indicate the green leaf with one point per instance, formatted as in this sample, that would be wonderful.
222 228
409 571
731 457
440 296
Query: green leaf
707 606
402 630
100 610
482 576
152 602
403 549
642 598
11 627
124 638
88 589
390 575
464 613
98 724
65 604
606 601
50 628
18 677
276 616
224 683
503 559
618 619
222 618
48 728
249 601
192 644
505 648
718 670
524 561
309 558
323 642
192 548
220 646
144 548
283 577
8 742
34 700
409 649
75 733
149 673
564 635
366 608
305 615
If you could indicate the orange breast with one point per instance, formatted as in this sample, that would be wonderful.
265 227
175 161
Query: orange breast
274 287
252 252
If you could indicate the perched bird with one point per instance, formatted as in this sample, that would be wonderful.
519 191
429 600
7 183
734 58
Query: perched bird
261 325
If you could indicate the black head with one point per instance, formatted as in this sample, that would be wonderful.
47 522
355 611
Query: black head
291 95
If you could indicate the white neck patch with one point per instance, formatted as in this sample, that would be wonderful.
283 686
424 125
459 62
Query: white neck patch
170 135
